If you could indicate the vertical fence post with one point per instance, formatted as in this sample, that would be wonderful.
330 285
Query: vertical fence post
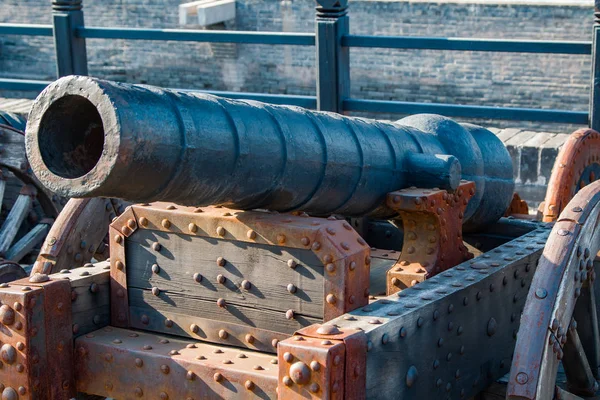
595 92
71 57
333 60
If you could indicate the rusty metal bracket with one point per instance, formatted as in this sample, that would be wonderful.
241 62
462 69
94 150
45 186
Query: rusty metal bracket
323 362
127 364
432 221
37 342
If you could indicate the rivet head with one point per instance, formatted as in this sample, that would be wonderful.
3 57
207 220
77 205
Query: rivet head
197 277
563 232
223 334
541 293
249 338
522 378
221 279
8 353
220 231
9 394
155 291
314 387
246 285
289 314
39 278
221 261
139 362
411 376
288 357
315 366
292 263
138 392
7 315
251 234
165 369
328 330
218 377
221 302
492 327
194 328
249 385
287 381
300 373
166 223
281 238
291 288
330 298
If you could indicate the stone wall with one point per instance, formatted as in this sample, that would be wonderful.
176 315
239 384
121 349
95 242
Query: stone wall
502 79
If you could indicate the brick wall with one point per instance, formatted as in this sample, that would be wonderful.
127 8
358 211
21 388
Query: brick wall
517 80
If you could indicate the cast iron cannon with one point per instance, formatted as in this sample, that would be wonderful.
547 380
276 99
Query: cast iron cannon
89 137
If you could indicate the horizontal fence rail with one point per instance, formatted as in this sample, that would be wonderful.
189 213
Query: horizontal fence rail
186 35
466 111
26 29
467 44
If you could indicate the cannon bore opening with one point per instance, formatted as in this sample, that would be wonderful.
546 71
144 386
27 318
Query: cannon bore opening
71 137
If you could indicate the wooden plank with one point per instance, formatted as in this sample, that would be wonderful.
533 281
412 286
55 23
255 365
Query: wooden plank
237 313
24 245
264 267
378 275
13 221
90 294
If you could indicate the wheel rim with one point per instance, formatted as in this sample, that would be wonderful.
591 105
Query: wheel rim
577 165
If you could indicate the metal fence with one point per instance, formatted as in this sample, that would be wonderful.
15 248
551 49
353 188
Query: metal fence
332 42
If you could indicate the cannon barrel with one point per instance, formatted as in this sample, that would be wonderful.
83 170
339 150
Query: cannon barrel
89 137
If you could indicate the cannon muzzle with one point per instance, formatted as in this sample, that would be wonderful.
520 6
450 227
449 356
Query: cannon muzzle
89 137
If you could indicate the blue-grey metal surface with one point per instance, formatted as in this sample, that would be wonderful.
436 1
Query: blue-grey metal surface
456 110
468 44
144 143
187 35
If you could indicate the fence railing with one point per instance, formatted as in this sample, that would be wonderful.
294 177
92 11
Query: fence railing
332 41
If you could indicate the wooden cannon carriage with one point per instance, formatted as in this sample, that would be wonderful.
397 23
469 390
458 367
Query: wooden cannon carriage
275 252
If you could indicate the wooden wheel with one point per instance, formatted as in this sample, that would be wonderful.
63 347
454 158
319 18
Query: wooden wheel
79 234
560 319
28 210
577 165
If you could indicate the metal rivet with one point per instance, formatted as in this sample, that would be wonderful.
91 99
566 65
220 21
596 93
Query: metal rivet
541 293
220 231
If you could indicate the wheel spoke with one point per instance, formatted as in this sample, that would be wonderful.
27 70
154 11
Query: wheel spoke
27 242
586 315
15 217
580 379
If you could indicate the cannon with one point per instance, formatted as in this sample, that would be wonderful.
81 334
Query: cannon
146 144
251 263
